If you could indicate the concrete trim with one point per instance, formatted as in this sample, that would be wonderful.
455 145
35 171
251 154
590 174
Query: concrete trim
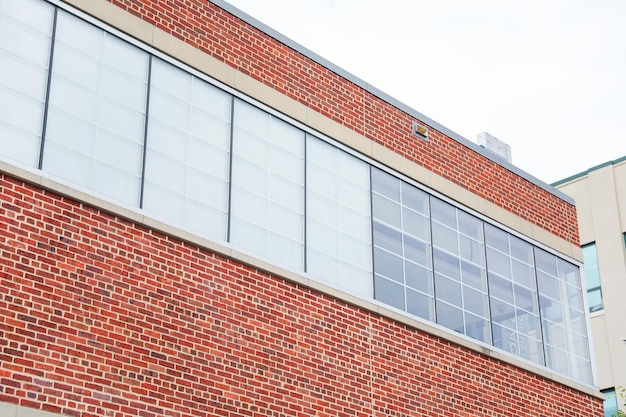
303 279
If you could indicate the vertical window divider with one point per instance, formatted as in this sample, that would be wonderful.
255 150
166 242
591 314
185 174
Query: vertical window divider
145 132
230 168
432 258
372 232
304 207
482 228
44 123
404 256
543 341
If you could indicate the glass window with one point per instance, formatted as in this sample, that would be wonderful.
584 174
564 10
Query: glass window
95 127
267 215
187 154
566 344
25 33
402 253
610 402
338 217
513 295
460 275
592 277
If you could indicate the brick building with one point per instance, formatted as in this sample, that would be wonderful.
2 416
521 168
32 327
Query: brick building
201 217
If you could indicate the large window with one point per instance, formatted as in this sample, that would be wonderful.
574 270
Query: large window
592 277
513 295
459 264
267 186
95 125
562 316
338 217
402 254
188 146
117 119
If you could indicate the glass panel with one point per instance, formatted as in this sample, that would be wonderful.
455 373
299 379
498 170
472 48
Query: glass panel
545 262
470 226
385 184
418 277
25 32
414 198
419 304
499 263
387 211
505 338
592 277
477 328
472 250
268 161
416 251
445 238
475 302
415 224
443 213
94 91
450 317
388 265
446 264
389 292
387 238
610 402
448 290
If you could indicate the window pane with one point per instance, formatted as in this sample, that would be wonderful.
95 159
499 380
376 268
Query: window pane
389 292
419 305
105 104
592 277
268 167
25 32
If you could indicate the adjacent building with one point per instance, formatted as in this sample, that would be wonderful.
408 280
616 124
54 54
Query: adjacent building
600 194
200 217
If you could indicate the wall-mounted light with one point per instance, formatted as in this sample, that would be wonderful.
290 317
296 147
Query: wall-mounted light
420 131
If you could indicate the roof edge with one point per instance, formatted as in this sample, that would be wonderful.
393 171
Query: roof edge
587 171
223 4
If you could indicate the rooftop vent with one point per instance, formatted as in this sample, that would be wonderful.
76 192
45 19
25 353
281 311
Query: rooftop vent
493 144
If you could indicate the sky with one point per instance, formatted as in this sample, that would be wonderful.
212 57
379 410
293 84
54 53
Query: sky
547 77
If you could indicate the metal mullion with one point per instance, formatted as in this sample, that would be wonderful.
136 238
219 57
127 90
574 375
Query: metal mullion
432 257
44 123
488 292
145 132
542 339
304 202
371 167
230 168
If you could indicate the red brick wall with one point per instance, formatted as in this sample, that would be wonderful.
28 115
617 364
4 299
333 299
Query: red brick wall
250 51
103 317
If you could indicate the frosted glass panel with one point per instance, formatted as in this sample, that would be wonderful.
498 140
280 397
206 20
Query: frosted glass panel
188 159
268 185
338 206
96 110
25 31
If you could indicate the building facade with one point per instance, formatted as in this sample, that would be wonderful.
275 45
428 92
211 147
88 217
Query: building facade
201 217
600 194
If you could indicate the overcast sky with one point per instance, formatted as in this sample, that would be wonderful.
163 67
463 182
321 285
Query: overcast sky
547 77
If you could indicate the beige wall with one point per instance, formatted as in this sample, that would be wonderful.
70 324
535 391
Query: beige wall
600 196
